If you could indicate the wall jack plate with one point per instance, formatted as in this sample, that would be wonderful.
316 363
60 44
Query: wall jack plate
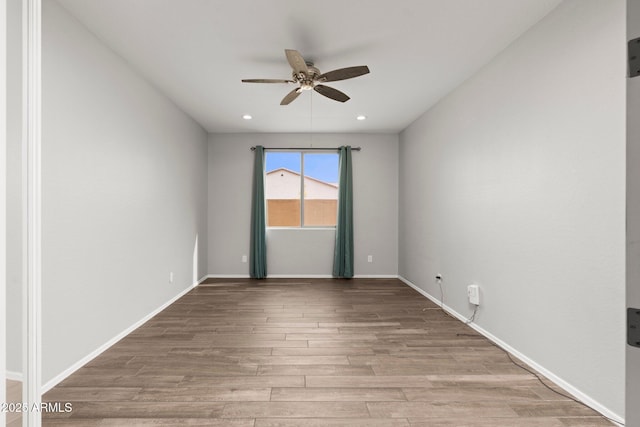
633 327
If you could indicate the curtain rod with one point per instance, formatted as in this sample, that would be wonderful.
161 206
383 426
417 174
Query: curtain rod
306 148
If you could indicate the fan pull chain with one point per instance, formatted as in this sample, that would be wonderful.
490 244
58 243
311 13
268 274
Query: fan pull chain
311 120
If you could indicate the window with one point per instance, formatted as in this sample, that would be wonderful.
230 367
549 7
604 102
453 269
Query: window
296 202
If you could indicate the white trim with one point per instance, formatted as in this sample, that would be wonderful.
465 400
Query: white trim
301 276
375 276
32 249
14 376
200 280
89 357
575 392
227 276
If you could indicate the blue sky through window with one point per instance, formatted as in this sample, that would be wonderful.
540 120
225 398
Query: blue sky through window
322 166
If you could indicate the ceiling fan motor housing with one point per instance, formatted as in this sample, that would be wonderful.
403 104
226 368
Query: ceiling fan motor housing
307 80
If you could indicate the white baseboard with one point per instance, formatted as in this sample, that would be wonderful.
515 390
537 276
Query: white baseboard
271 276
375 276
301 276
227 276
575 392
329 276
14 376
80 363
202 279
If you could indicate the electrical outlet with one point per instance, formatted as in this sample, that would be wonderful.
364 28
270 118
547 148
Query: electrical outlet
370 258
244 258
473 292
171 277
438 278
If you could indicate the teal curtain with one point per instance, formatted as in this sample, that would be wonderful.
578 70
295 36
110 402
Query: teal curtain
343 254
258 249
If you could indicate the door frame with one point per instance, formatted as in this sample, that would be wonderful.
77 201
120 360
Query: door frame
3 209
32 230
632 368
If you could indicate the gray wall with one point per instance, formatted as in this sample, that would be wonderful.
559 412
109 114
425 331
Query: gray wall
515 181
633 218
14 187
3 204
124 176
303 252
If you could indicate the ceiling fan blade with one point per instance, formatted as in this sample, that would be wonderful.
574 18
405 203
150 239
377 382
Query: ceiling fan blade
296 61
290 96
332 93
344 73
266 81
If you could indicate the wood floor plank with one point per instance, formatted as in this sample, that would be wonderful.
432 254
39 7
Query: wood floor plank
247 381
308 353
329 422
584 421
486 422
436 368
484 379
318 351
551 409
14 395
209 369
82 379
297 360
475 394
314 370
301 330
296 410
175 422
364 381
89 394
68 422
337 394
203 394
338 337
133 409
440 409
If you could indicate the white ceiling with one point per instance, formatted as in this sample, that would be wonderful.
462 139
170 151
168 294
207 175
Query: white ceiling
197 51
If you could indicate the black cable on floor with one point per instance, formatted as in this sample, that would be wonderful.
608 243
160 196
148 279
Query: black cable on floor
535 374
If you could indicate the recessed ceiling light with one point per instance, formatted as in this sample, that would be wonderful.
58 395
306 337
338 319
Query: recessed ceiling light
247 117
361 117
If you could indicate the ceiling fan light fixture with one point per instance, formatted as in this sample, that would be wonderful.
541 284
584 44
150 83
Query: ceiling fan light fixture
247 116
361 117
308 77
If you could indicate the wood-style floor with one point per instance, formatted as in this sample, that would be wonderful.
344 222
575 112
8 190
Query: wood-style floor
14 395
308 353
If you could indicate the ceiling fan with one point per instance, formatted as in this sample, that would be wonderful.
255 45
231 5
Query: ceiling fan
309 77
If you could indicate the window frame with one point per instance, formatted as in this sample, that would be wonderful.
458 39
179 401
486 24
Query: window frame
302 225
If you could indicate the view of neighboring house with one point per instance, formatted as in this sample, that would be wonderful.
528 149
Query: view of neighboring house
282 192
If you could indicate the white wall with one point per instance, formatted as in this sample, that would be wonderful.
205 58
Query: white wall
303 252
14 187
516 182
124 176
